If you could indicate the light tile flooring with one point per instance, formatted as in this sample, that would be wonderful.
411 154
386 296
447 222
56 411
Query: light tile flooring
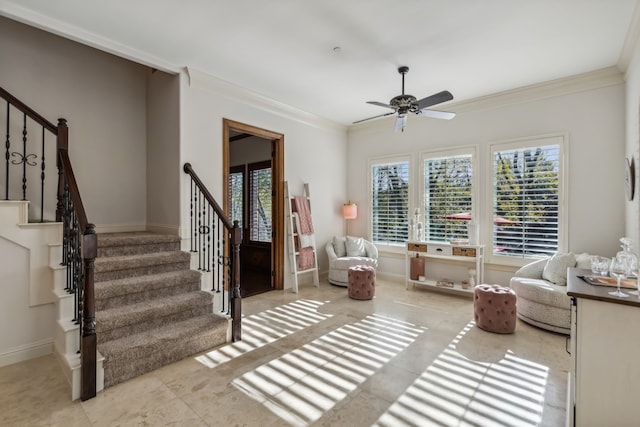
408 357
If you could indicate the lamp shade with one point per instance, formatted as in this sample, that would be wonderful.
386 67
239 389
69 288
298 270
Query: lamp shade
350 210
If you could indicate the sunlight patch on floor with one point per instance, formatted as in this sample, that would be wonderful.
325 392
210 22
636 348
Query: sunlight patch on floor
302 385
455 390
266 327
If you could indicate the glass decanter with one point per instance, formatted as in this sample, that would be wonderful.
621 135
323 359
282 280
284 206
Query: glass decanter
632 261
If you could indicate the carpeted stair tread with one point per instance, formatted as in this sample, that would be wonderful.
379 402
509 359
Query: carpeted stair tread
146 313
119 267
137 238
118 244
133 261
136 354
137 284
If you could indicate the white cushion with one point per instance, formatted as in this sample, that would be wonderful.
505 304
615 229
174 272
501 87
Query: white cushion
355 246
339 246
533 270
556 269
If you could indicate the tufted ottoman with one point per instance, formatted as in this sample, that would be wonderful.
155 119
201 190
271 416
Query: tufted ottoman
494 308
361 282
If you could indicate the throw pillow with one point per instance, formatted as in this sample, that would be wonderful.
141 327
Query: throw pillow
355 246
556 269
532 270
339 246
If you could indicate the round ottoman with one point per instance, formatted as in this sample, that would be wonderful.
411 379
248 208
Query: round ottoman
494 308
361 282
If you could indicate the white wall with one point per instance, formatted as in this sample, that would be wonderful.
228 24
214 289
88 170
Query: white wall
593 119
24 331
314 150
163 152
103 99
632 146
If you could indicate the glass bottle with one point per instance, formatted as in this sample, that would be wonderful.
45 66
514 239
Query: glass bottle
630 256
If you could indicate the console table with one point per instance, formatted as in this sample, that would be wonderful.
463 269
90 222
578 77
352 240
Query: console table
466 255
604 377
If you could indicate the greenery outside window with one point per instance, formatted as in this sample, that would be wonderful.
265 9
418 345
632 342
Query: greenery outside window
528 182
389 184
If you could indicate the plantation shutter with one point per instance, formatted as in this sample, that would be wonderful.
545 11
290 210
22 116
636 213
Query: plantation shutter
525 201
390 202
448 197
260 201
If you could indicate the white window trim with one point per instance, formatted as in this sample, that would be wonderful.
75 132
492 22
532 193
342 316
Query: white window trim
486 226
451 152
387 160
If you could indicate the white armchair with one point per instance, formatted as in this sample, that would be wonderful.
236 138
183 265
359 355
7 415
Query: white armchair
348 251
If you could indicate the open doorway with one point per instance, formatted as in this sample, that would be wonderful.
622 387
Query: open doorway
253 183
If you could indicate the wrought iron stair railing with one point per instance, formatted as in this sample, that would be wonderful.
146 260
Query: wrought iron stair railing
217 242
79 240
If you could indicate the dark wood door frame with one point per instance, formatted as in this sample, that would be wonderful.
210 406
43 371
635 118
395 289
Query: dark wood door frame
277 171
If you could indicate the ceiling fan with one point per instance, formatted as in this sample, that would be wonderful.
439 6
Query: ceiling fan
405 104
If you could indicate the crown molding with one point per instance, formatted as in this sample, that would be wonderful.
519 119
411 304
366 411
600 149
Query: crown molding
202 80
63 29
609 76
630 41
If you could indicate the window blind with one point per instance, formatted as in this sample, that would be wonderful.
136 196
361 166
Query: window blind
390 202
236 196
448 197
260 200
525 201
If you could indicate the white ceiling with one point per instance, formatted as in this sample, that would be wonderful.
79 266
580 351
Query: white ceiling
284 49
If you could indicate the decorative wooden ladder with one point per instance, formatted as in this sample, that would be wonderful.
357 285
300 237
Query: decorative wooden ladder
292 224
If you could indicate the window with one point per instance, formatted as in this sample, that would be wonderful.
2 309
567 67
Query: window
527 188
389 201
448 195
260 201
236 194
256 191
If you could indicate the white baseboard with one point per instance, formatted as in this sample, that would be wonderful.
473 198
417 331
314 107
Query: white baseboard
27 352
120 228
173 230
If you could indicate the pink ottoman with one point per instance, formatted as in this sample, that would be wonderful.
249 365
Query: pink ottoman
361 282
494 308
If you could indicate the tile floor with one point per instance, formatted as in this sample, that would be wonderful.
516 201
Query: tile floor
406 358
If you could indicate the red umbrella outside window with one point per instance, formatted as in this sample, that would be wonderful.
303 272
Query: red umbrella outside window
466 216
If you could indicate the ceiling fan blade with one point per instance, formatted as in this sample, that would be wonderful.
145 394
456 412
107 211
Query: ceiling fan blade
374 117
380 104
401 123
446 115
437 98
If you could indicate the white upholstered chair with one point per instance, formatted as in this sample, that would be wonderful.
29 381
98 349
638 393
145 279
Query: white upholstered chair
348 251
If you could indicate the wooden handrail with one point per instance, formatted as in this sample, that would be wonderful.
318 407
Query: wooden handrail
28 111
86 239
235 238
189 171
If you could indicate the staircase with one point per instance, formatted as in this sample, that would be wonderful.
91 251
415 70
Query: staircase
150 310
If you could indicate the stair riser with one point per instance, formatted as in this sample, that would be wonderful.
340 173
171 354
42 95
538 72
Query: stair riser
147 359
150 323
67 339
139 271
65 306
132 298
110 251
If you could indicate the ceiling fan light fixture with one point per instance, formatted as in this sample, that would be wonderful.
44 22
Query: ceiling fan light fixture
404 103
401 123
